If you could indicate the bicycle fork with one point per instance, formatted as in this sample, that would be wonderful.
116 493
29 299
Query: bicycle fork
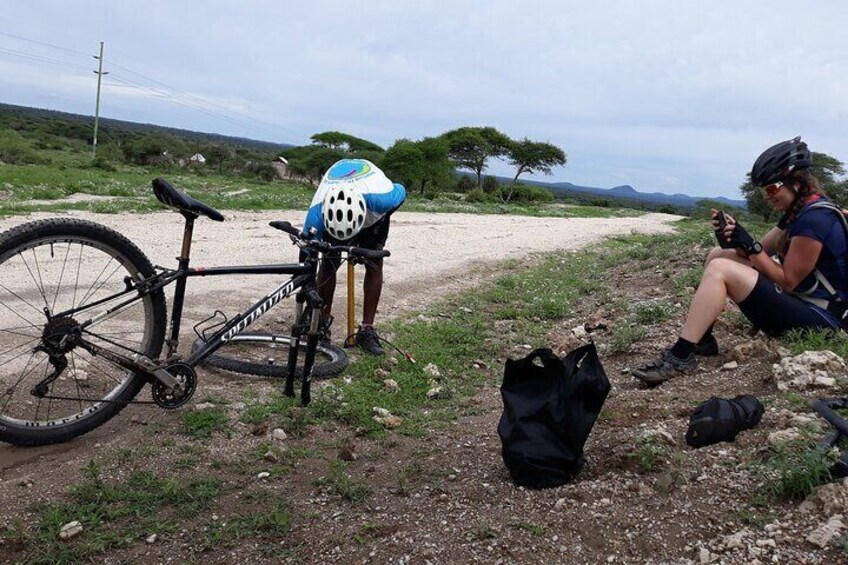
303 300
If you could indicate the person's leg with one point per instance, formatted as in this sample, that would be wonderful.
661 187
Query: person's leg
719 253
722 278
326 282
372 288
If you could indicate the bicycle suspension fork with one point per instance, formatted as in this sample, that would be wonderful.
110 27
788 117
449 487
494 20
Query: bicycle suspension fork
311 300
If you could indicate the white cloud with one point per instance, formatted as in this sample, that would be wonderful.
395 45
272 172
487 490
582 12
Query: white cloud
660 94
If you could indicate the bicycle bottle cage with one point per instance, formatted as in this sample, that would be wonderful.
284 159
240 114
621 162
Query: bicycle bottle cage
212 327
826 408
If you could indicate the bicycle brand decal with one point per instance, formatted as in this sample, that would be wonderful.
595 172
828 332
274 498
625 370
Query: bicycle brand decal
269 303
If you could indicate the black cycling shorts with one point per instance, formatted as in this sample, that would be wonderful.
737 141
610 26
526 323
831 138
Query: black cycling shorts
372 237
776 312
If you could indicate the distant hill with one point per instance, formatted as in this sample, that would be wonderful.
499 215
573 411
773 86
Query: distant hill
26 113
624 193
627 192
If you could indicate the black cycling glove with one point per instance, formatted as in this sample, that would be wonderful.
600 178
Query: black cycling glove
741 239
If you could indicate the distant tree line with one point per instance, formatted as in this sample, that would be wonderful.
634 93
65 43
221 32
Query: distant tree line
428 165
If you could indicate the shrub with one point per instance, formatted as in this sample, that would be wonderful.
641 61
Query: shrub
526 193
478 195
465 184
15 150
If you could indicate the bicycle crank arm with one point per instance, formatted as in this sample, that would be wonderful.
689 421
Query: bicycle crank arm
141 364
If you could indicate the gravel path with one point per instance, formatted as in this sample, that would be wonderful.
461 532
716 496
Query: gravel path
431 253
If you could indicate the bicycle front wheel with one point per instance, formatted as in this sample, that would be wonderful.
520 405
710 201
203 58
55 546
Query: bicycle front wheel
266 355
55 276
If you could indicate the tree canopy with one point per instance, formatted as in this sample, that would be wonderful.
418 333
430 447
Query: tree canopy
534 157
344 142
471 147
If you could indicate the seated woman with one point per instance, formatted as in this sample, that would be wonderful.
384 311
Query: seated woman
808 288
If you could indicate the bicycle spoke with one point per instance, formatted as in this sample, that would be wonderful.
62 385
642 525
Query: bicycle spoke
92 289
22 299
61 276
21 346
40 281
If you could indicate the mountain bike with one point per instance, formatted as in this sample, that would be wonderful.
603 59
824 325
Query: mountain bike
83 323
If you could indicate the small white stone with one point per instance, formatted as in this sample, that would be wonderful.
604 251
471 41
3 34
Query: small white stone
204 406
70 530
151 538
263 475
729 366
279 434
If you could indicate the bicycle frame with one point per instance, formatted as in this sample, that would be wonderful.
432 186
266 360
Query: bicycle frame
302 281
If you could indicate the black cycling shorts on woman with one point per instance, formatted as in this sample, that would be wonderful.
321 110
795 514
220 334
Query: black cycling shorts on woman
806 287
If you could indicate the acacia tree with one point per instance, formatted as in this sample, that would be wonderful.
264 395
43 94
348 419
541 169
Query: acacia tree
424 162
533 157
311 161
471 147
344 142
828 170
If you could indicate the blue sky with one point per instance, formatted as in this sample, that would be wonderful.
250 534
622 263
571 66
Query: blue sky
668 96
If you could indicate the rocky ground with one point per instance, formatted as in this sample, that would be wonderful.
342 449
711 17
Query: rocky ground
644 497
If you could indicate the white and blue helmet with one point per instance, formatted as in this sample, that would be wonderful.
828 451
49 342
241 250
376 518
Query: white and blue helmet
343 211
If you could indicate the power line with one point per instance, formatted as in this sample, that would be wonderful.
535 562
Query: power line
41 59
44 44
194 102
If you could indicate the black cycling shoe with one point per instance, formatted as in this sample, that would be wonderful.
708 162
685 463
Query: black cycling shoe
667 366
367 339
707 347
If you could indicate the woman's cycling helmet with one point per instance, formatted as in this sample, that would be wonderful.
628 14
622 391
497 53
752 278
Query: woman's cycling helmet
779 161
343 211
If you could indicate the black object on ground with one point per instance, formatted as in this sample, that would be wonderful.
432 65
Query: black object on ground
550 407
721 419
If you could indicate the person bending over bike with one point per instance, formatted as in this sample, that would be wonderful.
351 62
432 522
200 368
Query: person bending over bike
807 288
353 206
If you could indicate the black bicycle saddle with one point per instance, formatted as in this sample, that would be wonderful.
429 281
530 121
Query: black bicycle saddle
185 204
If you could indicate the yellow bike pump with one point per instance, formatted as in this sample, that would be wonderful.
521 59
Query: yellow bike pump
351 305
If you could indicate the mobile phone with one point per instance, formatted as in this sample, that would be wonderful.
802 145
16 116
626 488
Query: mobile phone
722 221
719 231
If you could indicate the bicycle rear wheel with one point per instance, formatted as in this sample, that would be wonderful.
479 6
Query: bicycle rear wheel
266 355
50 270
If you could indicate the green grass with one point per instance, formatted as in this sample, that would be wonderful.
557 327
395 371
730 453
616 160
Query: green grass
650 454
71 174
337 481
113 514
201 424
798 341
794 468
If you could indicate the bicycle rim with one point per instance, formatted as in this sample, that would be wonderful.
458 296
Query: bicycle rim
266 355
56 266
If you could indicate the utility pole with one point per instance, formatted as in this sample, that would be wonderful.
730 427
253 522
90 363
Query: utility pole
99 72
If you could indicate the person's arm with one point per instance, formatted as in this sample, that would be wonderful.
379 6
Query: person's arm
771 240
800 260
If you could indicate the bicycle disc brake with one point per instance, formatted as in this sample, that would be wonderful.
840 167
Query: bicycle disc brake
186 384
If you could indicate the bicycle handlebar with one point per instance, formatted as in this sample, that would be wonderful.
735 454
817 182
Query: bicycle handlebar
302 241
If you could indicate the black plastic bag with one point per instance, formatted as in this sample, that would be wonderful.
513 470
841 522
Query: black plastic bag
720 419
549 411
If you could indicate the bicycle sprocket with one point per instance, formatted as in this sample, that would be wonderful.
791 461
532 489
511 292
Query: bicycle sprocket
187 380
